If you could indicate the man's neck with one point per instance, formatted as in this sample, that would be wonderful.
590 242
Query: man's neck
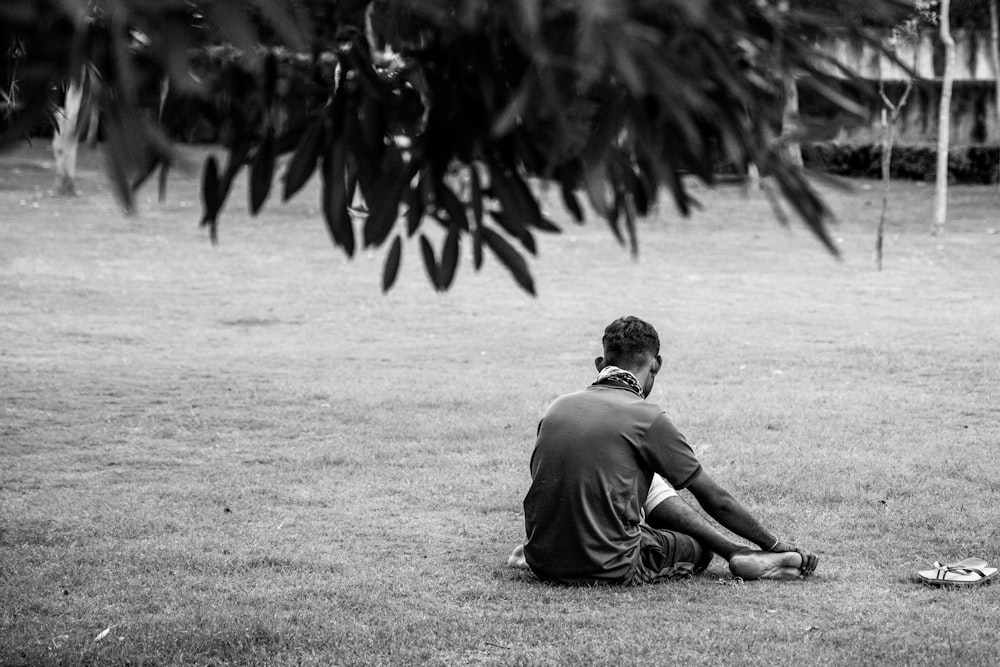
622 376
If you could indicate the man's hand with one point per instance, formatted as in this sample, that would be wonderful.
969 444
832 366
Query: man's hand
809 559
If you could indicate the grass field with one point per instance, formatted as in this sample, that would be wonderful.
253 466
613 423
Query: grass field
245 454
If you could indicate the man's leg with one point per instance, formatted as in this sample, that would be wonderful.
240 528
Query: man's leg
672 513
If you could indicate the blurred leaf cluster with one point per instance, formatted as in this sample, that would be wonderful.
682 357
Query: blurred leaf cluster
428 120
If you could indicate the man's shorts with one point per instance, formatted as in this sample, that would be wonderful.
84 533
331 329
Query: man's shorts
664 555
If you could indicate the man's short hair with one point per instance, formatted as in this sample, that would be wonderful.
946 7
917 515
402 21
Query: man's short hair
629 342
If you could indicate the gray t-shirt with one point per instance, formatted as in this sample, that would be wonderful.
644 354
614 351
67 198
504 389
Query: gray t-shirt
593 461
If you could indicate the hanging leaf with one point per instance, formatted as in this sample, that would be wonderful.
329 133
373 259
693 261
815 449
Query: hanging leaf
453 207
352 182
504 190
642 187
510 258
476 195
210 195
363 159
384 205
623 179
629 207
303 162
118 160
528 205
234 163
335 197
612 219
528 241
289 140
162 181
429 264
262 172
677 189
543 224
210 186
571 202
415 208
595 180
477 247
449 259
522 234
392 261
151 166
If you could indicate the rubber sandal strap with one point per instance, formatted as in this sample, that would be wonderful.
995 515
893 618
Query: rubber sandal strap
944 570
968 562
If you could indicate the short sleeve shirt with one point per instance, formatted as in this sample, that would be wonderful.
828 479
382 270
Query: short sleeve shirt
591 468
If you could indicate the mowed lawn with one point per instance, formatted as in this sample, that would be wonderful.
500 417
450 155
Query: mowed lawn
246 454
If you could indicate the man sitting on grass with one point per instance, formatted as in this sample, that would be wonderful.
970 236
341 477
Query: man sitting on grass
602 506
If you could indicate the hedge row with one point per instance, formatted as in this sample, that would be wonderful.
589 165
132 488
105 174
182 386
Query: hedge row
968 165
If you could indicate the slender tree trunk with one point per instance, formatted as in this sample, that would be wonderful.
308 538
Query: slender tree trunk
886 174
790 119
944 121
995 57
66 139
790 113
890 114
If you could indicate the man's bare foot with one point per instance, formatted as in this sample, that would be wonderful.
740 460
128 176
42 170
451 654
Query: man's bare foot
753 564
516 558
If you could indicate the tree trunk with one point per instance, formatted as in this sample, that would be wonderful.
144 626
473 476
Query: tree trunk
886 174
790 113
944 121
790 119
995 56
890 115
66 139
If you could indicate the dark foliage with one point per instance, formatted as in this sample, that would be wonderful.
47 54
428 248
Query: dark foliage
618 101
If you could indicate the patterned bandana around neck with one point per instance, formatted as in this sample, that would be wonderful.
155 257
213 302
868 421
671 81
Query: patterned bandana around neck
617 376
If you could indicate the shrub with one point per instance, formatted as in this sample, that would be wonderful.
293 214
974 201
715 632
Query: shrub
967 164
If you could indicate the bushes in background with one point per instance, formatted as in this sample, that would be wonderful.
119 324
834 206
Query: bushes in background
967 165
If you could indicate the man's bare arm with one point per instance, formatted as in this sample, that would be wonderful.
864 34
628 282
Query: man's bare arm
722 506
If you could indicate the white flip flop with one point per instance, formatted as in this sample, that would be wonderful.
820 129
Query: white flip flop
968 572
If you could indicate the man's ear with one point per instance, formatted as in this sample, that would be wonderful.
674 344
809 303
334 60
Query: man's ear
599 364
658 365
